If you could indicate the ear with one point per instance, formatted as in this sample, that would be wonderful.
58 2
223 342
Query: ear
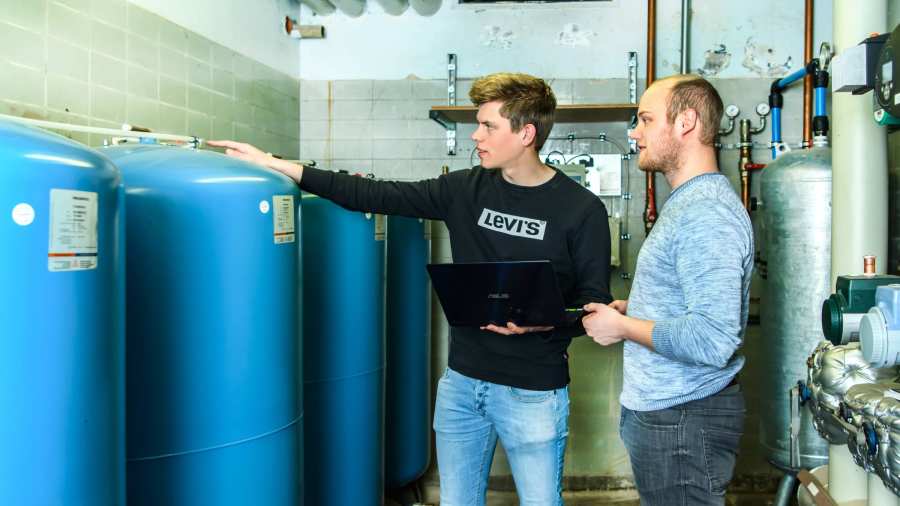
686 122
528 134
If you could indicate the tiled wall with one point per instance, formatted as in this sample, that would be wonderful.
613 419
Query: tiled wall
107 62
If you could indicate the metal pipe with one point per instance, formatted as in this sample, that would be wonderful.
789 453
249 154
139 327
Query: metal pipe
808 82
69 127
859 153
650 214
685 43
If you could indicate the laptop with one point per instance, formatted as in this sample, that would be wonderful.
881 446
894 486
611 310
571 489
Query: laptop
523 292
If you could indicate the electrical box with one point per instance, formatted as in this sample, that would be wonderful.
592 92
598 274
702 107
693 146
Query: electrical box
854 70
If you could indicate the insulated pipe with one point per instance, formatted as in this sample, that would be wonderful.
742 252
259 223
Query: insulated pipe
859 153
808 82
394 7
685 24
650 207
320 7
425 7
352 8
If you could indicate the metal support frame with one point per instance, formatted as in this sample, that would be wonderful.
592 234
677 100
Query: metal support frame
451 100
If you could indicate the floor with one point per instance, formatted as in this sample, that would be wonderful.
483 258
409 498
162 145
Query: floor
589 498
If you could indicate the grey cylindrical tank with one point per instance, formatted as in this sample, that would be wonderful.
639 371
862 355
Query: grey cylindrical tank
796 194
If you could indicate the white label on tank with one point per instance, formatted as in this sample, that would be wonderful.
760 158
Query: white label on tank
887 72
283 218
264 206
73 231
23 214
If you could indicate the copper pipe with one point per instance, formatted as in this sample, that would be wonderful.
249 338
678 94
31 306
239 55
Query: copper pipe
650 207
869 265
808 80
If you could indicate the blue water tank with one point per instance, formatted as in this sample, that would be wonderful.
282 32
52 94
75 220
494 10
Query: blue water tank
214 400
343 330
62 341
408 372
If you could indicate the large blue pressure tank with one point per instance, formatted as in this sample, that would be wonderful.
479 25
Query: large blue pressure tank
343 331
62 341
214 401
408 380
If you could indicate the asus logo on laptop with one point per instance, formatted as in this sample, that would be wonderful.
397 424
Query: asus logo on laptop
498 295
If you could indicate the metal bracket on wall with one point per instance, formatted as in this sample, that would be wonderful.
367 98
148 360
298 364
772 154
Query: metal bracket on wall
632 96
451 100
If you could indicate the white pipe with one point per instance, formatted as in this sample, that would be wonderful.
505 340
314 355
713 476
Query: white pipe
352 8
846 480
320 7
69 127
425 7
859 154
394 7
879 495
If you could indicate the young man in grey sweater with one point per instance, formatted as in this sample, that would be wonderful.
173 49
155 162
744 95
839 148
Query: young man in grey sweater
682 409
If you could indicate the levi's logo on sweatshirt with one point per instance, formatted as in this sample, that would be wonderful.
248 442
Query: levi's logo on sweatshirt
512 225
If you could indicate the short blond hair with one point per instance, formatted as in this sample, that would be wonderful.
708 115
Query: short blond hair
690 91
526 99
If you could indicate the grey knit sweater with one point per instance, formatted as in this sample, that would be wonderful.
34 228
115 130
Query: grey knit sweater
692 280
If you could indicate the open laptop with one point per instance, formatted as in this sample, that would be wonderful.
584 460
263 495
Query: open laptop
523 292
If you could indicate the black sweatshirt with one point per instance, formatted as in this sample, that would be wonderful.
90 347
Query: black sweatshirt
490 220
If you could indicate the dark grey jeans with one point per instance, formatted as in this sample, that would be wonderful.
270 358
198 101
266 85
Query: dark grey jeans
685 455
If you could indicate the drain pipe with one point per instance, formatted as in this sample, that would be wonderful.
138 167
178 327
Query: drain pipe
650 214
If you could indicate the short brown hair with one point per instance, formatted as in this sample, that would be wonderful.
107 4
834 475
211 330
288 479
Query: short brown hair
691 91
526 99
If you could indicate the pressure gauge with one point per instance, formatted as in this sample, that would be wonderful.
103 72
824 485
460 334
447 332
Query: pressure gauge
762 109
732 111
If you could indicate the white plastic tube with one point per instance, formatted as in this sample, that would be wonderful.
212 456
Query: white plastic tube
69 127
859 154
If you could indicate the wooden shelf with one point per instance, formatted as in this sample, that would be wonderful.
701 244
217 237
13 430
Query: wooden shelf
578 113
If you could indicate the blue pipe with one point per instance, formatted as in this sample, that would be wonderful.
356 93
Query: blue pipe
776 130
787 81
819 102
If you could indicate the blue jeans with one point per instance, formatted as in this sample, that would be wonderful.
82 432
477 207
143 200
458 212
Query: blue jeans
470 415
685 455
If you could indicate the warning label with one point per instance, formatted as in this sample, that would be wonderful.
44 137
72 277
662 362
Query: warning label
283 218
73 231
